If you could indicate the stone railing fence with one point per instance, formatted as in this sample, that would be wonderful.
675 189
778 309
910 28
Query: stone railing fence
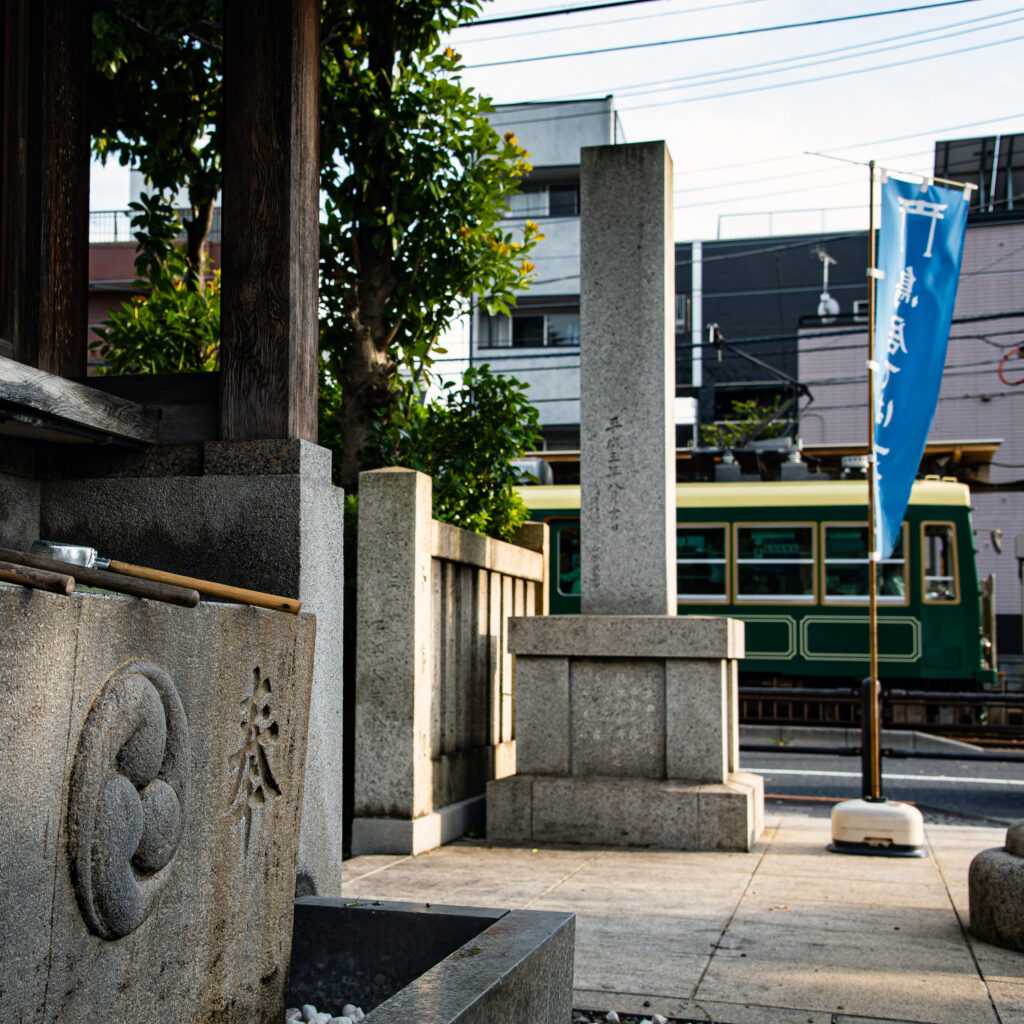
435 691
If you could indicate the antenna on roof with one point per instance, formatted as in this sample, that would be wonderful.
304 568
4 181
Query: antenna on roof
828 308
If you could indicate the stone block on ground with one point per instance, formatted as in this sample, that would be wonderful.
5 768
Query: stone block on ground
628 812
151 776
996 886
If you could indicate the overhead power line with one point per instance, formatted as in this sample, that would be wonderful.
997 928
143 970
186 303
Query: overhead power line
561 10
815 79
723 35
822 57
632 19
856 145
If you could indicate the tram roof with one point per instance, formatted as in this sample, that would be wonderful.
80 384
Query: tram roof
764 493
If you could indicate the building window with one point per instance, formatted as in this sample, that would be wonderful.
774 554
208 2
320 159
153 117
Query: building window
530 329
544 201
494 331
775 563
846 567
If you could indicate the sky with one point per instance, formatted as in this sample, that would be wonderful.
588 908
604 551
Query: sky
741 113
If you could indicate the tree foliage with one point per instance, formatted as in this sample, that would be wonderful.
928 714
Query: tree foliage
466 442
155 101
746 418
168 327
416 183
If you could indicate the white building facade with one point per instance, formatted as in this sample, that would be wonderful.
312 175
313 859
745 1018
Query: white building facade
539 343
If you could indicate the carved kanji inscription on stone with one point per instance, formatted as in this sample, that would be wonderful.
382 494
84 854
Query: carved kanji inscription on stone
254 782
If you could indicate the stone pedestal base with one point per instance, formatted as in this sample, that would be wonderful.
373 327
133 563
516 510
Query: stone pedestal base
996 886
606 811
627 735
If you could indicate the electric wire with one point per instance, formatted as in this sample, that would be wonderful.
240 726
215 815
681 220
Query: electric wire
585 9
821 78
517 123
632 19
853 52
722 35
578 9
854 330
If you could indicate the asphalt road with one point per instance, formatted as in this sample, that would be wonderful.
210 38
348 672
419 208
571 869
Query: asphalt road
986 792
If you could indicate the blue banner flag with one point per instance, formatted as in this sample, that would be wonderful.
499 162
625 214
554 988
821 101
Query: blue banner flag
920 243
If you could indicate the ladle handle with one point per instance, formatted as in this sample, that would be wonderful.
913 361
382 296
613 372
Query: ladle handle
210 589
187 598
38 579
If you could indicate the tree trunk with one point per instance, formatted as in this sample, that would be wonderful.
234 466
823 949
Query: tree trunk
366 378
197 230
366 390
368 373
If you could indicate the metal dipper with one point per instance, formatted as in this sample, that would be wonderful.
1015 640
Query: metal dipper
77 554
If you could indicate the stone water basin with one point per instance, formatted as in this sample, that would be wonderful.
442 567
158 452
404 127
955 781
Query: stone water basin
413 963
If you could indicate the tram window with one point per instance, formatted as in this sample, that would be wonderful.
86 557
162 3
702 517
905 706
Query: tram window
939 563
775 563
569 560
846 567
700 563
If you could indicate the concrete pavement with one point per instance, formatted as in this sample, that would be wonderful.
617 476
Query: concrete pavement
786 934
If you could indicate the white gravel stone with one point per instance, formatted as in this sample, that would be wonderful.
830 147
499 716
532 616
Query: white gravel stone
612 1017
292 1013
353 1011
308 1011
658 1019
321 1018
341 1020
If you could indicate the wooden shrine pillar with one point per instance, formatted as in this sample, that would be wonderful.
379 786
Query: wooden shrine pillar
270 248
44 232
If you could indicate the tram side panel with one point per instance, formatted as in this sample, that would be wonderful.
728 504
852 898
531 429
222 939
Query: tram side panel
798 579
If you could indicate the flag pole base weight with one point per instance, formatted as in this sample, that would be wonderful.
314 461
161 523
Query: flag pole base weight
877 828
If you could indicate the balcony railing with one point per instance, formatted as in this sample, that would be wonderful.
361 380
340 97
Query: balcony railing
116 226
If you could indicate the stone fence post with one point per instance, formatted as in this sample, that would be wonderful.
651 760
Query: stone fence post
435 690
392 647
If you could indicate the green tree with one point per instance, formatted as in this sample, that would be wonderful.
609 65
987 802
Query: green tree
168 327
155 102
416 183
466 442
746 418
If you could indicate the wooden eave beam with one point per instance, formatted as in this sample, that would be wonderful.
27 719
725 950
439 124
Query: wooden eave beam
56 400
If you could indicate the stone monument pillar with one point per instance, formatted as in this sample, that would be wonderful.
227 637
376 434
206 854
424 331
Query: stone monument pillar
626 715
627 382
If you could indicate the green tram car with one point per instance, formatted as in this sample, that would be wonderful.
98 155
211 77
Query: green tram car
790 559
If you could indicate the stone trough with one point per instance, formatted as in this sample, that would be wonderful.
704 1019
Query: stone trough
151 776
413 962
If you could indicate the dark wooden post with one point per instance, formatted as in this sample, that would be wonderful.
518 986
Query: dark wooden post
44 266
270 249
